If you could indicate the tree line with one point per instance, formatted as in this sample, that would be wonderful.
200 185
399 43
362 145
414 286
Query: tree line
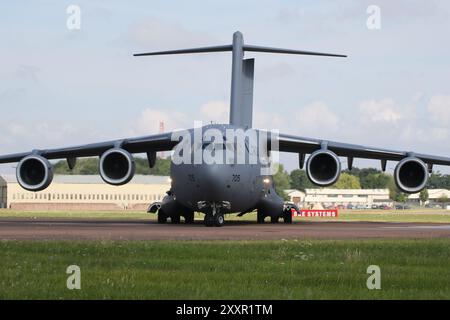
357 178
89 166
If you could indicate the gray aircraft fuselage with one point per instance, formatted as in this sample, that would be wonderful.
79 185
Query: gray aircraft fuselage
242 185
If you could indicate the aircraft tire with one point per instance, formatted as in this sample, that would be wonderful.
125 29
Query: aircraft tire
274 219
161 217
175 219
219 220
287 217
189 217
260 218
209 220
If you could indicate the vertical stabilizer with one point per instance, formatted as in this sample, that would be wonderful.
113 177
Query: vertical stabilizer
246 105
236 77
242 73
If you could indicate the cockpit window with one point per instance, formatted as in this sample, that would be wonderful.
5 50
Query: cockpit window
205 145
229 148
213 146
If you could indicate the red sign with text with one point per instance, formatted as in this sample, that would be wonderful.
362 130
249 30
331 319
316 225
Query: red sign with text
332 213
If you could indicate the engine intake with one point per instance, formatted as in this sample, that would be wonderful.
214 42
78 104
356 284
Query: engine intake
411 175
117 166
323 168
34 173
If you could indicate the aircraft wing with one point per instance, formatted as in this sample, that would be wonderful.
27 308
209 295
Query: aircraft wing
302 145
152 143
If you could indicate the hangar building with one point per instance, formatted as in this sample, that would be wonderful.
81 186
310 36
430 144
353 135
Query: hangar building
335 197
434 196
84 192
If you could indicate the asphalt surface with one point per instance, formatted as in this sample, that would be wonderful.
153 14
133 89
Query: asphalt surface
83 229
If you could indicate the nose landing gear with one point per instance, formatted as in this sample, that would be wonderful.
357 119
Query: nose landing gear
216 220
215 217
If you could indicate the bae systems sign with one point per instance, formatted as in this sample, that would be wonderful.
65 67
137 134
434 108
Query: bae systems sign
315 213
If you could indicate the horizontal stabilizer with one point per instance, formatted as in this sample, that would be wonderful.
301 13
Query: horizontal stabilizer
245 48
184 51
290 51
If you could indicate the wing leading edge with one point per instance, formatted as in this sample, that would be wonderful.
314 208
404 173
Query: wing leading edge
154 143
302 145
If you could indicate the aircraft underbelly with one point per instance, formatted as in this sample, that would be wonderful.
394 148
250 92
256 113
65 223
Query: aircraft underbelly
237 184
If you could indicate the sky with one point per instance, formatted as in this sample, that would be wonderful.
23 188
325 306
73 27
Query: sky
61 86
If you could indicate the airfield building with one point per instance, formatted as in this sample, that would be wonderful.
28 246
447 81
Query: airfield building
84 192
435 196
89 192
313 198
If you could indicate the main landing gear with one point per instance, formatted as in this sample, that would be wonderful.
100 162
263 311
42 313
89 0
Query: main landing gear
175 218
286 216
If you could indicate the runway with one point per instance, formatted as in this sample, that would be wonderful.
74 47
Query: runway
63 229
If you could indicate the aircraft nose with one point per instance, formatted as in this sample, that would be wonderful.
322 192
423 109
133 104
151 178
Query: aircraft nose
214 183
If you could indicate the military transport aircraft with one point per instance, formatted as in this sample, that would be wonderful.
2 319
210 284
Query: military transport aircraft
215 188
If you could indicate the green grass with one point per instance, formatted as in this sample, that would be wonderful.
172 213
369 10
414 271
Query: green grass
425 215
432 216
410 269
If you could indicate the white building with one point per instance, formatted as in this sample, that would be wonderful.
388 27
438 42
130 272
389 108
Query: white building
296 196
434 195
84 192
335 197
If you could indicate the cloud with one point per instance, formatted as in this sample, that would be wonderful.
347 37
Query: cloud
28 73
291 14
153 33
385 110
278 70
24 136
439 109
269 120
439 134
317 118
215 111
149 120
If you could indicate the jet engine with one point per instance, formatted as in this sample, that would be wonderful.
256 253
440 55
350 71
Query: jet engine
117 166
323 168
411 175
34 173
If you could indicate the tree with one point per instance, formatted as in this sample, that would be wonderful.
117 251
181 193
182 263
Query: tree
89 166
376 181
282 181
370 178
443 199
400 197
439 181
299 180
347 181
423 196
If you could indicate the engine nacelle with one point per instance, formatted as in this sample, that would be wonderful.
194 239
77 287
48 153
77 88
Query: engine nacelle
323 168
34 173
411 175
117 166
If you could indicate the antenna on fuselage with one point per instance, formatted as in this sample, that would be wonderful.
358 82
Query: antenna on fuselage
242 73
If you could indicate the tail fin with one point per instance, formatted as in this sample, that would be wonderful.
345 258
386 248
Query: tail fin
242 77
